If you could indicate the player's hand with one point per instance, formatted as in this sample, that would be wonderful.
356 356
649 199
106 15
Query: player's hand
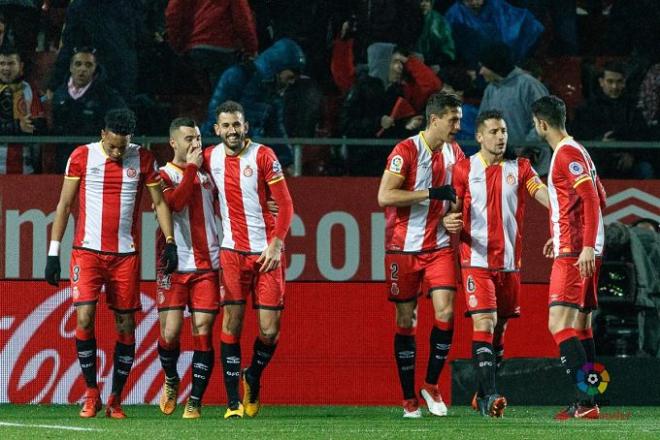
272 206
586 262
170 258
453 222
194 155
548 249
26 124
445 192
271 256
52 273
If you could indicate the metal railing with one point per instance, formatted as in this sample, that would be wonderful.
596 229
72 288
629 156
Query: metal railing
299 144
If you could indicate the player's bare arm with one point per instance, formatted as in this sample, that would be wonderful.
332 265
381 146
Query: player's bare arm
162 210
67 196
541 196
390 194
453 220
548 251
270 258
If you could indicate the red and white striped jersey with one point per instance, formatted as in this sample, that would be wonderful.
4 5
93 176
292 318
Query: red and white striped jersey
242 182
109 195
571 166
195 227
493 206
418 228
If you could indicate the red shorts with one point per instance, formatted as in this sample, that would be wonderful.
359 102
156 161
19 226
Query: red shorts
90 271
408 274
197 290
488 291
240 277
568 288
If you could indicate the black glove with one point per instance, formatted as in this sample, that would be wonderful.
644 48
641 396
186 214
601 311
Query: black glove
53 270
445 192
170 258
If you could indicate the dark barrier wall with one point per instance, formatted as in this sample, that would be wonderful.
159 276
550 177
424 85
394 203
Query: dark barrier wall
336 345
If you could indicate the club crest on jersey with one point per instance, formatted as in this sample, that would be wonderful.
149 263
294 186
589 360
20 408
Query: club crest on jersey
470 285
396 165
131 172
394 289
472 301
248 171
165 281
511 179
575 168
76 293
204 180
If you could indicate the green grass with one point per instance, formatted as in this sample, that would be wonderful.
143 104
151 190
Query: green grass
311 422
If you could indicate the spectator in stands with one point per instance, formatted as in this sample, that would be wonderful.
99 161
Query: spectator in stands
21 113
212 33
510 89
394 77
80 103
478 23
114 28
649 98
611 114
564 21
260 87
435 42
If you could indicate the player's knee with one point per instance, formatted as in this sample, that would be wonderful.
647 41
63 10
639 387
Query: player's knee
484 324
169 336
405 321
445 314
85 322
269 338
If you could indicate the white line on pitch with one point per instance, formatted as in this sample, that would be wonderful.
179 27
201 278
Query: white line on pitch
66 428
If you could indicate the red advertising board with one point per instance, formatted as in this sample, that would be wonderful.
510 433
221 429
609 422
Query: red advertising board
336 346
337 232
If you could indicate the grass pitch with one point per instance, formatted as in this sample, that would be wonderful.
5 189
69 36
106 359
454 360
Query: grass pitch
312 422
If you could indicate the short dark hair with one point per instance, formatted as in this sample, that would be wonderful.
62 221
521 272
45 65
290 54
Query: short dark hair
440 102
613 66
486 115
120 121
229 107
552 110
84 49
183 121
10 50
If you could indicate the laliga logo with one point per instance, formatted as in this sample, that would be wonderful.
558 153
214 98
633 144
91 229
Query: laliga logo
630 208
593 378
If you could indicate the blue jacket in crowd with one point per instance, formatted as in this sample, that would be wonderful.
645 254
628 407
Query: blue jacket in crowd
254 86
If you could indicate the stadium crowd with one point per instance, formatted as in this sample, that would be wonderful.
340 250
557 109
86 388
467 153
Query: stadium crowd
357 69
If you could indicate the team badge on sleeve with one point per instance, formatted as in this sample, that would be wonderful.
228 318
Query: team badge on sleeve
277 167
575 168
396 165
